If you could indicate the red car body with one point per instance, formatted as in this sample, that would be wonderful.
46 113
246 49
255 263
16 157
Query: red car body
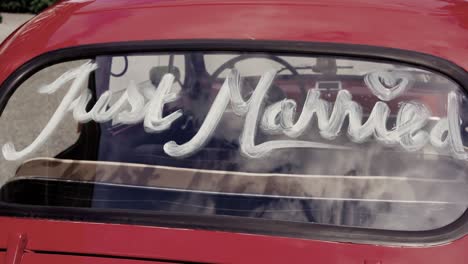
435 27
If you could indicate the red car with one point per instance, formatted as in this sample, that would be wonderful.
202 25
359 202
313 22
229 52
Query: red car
236 132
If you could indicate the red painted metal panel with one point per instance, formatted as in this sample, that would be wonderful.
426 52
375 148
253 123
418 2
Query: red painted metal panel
32 258
15 248
209 246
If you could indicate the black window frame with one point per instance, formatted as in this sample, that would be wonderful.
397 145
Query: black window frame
446 234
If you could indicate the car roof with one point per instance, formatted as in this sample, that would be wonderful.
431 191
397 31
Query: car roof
436 27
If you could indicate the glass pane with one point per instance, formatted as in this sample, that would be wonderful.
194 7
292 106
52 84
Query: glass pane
26 114
328 140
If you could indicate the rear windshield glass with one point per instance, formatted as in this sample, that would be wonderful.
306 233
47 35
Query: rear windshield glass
319 140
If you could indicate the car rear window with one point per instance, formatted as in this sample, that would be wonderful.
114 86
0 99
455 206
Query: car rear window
293 138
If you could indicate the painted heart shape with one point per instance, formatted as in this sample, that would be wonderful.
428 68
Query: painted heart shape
387 85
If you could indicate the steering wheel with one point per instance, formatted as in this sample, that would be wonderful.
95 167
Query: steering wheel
231 63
